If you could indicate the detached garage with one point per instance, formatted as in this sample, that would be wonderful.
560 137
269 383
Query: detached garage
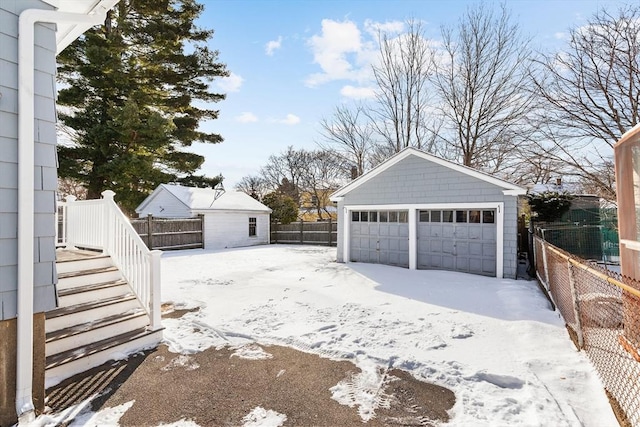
231 218
419 211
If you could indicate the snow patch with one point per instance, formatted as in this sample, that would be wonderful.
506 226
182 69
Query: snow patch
261 417
181 423
182 361
252 352
106 417
366 390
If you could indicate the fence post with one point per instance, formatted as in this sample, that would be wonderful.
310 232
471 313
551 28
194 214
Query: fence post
150 231
69 237
107 197
155 301
201 216
544 263
576 305
330 227
301 231
274 232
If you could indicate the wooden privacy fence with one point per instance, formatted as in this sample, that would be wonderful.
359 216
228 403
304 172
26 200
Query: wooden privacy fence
305 233
171 233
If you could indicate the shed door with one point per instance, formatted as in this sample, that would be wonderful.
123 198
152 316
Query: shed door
380 237
458 240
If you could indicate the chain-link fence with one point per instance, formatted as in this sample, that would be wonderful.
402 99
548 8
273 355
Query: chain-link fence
602 311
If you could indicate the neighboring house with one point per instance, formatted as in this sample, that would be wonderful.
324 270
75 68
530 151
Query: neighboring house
309 206
584 209
231 218
32 33
416 210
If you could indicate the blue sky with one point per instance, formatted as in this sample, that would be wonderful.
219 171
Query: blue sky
294 61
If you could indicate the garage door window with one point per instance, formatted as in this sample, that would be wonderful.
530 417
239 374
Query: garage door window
424 216
447 216
488 217
461 216
380 216
474 217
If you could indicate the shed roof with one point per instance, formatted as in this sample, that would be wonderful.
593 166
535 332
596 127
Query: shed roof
203 199
508 188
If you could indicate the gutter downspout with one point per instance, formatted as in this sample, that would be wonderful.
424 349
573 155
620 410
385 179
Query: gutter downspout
26 164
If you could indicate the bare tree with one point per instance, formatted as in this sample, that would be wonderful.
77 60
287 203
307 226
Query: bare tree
591 93
401 112
481 73
349 135
325 173
253 185
285 169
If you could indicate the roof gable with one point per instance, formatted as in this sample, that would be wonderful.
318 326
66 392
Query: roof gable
508 188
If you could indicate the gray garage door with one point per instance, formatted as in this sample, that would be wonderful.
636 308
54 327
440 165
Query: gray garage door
459 240
380 237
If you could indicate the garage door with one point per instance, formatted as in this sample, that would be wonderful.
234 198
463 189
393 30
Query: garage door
459 240
380 237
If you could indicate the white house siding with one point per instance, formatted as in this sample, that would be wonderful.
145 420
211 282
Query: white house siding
416 181
231 229
166 205
45 159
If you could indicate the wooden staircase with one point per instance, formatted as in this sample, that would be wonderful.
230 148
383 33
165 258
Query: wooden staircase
98 317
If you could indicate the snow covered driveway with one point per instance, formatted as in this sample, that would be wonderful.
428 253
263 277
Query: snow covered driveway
495 343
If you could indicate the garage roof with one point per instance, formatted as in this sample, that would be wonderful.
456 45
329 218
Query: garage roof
508 188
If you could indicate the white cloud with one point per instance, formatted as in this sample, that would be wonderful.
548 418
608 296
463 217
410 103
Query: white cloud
345 52
560 36
231 83
331 50
291 119
390 27
246 117
362 92
273 45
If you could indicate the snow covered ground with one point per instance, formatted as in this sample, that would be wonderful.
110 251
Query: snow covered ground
495 343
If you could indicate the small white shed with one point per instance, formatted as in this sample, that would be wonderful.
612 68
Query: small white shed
232 219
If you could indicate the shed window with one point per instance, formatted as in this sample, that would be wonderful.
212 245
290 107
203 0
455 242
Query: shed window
252 226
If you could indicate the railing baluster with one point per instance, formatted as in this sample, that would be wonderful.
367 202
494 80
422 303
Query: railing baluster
99 224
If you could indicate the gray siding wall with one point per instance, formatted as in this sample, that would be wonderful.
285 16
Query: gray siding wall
418 181
45 171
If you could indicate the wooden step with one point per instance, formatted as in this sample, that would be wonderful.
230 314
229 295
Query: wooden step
86 277
92 292
64 317
84 263
83 334
64 365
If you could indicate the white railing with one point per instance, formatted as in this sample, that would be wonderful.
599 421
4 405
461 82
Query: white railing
100 224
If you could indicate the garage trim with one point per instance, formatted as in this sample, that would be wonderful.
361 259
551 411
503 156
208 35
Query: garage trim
413 226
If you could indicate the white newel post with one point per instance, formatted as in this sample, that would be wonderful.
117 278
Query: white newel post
107 237
68 217
154 258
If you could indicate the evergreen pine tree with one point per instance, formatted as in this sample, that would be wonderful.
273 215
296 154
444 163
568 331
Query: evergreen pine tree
127 97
